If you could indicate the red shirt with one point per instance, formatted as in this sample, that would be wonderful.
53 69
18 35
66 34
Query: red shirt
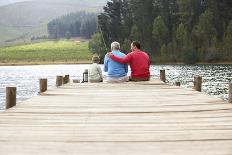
139 63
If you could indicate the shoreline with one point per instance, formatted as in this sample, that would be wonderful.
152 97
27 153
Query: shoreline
44 63
89 62
200 63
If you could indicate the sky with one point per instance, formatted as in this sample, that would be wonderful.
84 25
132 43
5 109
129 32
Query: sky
5 2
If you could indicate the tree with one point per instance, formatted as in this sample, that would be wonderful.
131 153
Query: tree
188 29
111 20
159 31
127 19
168 10
68 35
181 36
96 45
163 51
88 28
126 45
206 28
142 13
135 33
228 40
189 11
73 23
103 27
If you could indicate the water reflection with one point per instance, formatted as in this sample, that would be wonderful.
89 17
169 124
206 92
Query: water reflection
26 78
215 77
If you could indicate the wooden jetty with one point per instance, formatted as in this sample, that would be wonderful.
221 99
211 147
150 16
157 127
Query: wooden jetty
141 118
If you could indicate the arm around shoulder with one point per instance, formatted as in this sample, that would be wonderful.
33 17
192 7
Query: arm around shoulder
123 60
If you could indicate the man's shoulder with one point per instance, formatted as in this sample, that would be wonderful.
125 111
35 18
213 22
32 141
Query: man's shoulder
119 53
123 54
143 52
140 53
94 64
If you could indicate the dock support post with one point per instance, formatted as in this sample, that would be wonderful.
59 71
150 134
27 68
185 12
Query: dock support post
10 97
66 79
194 82
43 84
198 83
162 75
59 81
178 83
230 93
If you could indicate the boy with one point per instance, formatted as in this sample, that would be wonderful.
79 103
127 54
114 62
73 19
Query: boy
95 72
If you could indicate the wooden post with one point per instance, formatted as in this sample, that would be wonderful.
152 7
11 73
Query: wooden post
66 79
10 97
162 75
194 82
230 93
198 83
178 83
76 81
59 81
43 84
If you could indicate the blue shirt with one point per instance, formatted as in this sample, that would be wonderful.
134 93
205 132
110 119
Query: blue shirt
114 68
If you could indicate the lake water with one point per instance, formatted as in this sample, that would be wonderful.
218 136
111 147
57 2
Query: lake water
26 78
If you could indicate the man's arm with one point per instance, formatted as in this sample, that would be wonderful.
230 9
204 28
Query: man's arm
123 60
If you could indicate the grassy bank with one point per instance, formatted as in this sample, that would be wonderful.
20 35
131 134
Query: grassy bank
50 52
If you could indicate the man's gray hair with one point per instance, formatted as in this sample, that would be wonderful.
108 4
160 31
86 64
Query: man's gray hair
115 45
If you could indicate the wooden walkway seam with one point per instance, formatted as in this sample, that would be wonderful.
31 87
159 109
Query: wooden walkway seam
142 118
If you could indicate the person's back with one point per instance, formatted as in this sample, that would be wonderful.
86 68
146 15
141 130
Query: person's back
94 71
138 60
140 64
116 72
114 68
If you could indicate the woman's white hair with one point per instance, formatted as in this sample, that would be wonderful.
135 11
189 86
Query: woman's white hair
115 45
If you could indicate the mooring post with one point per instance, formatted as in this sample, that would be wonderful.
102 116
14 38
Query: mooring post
76 81
162 75
178 83
10 97
43 84
198 83
66 79
230 93
59 81
194 82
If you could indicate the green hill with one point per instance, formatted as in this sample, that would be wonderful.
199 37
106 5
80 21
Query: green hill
48 52
20 21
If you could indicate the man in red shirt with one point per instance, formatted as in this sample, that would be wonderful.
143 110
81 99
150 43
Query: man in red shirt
139 62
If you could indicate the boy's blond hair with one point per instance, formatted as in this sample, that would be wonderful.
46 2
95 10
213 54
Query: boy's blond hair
95 59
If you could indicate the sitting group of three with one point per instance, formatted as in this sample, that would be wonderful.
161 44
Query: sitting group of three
116 65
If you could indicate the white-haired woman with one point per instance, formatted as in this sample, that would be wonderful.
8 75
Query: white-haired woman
116 72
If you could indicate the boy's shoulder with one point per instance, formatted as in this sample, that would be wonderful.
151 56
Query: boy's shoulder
94 64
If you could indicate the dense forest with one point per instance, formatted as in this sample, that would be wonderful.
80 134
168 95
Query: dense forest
169 30
79 24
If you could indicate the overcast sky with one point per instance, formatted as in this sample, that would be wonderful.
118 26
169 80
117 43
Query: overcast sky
5 2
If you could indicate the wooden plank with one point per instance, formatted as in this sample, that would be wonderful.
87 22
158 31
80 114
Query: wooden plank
129 118
149 148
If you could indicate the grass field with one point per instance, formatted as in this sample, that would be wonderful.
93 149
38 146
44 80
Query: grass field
20 35
46 53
